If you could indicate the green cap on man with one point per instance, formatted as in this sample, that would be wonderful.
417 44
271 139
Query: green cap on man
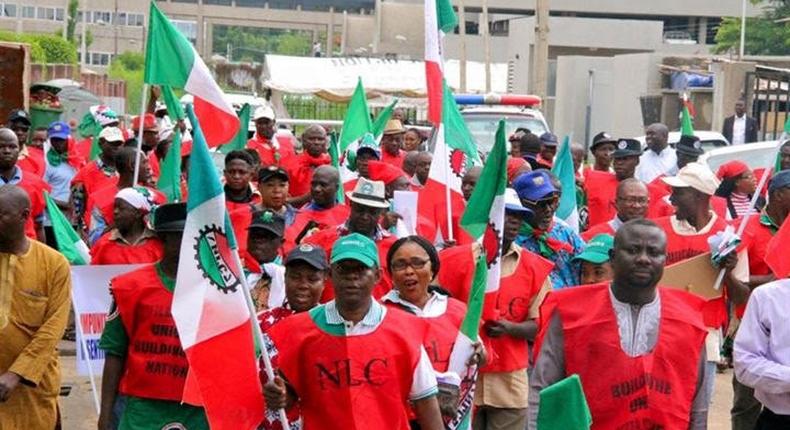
356 247
597 249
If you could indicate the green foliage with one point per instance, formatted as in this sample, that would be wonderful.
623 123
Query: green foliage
71 22
128 66
251 44
44 48
763 35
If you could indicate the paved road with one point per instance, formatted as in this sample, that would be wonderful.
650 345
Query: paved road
79 414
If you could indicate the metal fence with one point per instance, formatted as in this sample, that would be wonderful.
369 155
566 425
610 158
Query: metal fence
770 94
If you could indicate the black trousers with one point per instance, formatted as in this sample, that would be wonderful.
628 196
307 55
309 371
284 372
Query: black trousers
771 421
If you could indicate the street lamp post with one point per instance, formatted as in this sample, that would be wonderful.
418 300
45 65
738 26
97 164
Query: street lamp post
743 29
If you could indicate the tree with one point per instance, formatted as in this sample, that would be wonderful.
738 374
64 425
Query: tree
71 22
44 48
129 67
764 36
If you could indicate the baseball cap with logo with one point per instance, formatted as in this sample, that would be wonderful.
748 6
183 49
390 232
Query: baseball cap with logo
149 123
627 148
513 203
694 175
534 186
269 172
19 115
601 138
112 134
549 139
263 112
58 130
269 221
312 255
369 193
597 249
357 247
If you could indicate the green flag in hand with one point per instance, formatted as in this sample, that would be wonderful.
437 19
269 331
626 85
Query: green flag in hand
334 154
70 244
174 109
381 120
357 121
563 406
169 181
240 141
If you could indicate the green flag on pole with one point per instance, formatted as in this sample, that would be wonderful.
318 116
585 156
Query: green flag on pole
381 120
174 109
563 169
563 406
686 126
334 154
357 121
169 182
70 244
240 141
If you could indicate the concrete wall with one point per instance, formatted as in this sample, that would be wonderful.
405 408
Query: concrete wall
728 86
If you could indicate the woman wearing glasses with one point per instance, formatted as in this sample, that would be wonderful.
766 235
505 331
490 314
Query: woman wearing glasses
413 263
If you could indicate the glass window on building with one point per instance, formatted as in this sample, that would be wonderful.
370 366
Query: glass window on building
47 13
250 3
119 18
8 10
60 14
219 2
187 28
99 58
102 17
135 20
28 12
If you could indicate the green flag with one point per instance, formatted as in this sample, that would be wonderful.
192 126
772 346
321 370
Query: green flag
381 120
240 141
70 244
686 126
563 406
169 181
357 121
89 127
563 169
174 109
334 154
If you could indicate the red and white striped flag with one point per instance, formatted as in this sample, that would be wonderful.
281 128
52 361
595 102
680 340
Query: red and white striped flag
440 18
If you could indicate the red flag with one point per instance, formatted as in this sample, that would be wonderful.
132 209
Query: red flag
776 253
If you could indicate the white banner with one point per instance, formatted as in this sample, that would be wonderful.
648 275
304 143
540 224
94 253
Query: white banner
405 205
91 301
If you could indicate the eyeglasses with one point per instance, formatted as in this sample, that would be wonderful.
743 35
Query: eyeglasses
542 203
632 201
414 263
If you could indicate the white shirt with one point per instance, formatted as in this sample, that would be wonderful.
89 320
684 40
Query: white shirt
637 325
762 346
652 165
739 130
436 305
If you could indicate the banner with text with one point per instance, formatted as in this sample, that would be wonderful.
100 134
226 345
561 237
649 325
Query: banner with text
91 301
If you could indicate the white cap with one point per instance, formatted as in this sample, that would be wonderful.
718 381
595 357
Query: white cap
111 134
263 112
697 176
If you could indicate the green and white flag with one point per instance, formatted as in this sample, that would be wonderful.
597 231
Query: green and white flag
70 244
357 121
563 169
169 182
381 119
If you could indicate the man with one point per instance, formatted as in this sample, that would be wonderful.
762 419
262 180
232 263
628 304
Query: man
410 165
761 354
687 235
322 212
97 174
664 351
631 203
150 140
688 150
314 154
35 300
548 149
366 151
601 187
386 365
530 147
660 158
61 169
130 240
594 260
239 173
784 155
502 386
603 146
740 128
759 231
263 259
140 315
391 143
100 211
542 233
424 160
469 181
38 137
273 150
97 117
368 204
29 160
11 174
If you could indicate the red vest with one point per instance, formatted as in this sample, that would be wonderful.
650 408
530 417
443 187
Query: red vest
327 218
654 391
602 228
601 189
107 251
442 332
756 236
515 294
681 248
457 270
93 178
350 382
326 239
34 186
156 366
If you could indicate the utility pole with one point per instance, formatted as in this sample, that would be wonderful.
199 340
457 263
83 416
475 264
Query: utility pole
462 33
83 46
486 45
743 30
540 57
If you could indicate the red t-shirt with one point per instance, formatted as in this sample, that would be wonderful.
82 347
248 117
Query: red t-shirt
395 160
267 153
93 178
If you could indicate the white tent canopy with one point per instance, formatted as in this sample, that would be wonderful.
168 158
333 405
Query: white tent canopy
335 78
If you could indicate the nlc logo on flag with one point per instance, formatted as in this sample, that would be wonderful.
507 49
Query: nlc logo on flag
215 259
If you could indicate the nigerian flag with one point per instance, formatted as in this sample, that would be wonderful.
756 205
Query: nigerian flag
381 119
70 244
357 121
563 169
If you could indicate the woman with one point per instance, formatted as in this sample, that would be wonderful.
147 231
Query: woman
737 186
305 274
130 241
413 263
412 140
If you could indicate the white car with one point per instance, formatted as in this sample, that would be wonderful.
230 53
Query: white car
709 139
756 155
482 122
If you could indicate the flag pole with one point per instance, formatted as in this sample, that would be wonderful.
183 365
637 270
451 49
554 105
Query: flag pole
745 220
447 191
143 101
256 330
84 350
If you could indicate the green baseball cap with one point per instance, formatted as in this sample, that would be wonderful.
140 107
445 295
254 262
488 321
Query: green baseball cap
597 249
356 247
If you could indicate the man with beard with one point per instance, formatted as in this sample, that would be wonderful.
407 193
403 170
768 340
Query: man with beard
660 158
656 369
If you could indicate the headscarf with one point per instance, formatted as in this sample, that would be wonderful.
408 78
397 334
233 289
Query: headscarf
138 197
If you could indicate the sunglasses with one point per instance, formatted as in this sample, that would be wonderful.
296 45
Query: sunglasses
542 203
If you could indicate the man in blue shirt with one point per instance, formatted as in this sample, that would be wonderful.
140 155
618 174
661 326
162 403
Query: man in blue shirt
543 234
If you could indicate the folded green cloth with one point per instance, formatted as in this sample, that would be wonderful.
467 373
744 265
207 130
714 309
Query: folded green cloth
563 406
